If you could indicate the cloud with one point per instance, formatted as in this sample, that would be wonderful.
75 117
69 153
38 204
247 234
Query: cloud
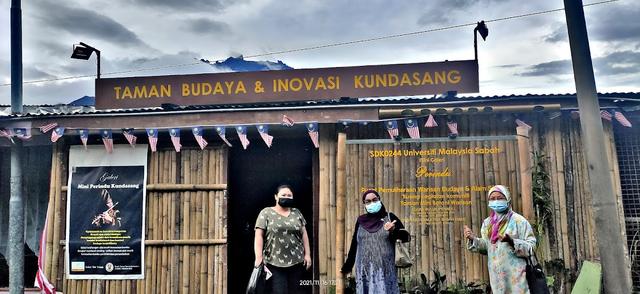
207 26
192 5
87 23
556 67
614 63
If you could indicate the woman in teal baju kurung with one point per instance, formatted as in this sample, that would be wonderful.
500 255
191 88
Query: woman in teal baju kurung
507 239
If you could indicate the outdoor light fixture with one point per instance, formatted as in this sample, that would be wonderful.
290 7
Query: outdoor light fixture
481 28
84 51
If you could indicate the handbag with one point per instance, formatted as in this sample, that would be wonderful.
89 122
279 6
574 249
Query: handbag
403 259
257 281
536 278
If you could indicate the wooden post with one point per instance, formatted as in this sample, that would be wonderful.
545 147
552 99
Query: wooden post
340 205
524 151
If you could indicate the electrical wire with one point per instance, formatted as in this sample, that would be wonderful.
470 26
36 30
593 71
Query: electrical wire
319 46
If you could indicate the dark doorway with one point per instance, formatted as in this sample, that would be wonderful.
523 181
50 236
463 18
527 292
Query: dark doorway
254 175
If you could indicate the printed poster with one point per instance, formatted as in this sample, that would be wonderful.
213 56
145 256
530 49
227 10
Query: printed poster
105 213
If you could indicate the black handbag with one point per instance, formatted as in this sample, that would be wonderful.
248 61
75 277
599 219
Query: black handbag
257 281
536 278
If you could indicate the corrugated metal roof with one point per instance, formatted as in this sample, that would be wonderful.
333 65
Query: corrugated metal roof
620 99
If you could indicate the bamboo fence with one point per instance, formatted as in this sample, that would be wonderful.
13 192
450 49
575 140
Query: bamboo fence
186 236
440 246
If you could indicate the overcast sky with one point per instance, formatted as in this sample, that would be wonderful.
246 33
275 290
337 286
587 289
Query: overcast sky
523 55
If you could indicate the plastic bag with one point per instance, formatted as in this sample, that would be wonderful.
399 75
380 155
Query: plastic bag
257 280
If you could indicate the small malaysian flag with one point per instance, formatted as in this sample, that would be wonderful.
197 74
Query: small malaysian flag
22 133
313 133
131 138
392 128
555 114
412 128
222 133
175 138
41 280
521 123
621 119
242 134
57 134
48 127
287 121
431 122
153 139
197 133
453 129
84 137
7 134
606 115
107 140
264 133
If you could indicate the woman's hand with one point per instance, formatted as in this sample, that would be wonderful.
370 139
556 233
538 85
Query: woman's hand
307 261
469 234
508 240
257 262
390 226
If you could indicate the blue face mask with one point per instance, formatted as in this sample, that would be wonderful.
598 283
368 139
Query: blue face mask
374 207
499 205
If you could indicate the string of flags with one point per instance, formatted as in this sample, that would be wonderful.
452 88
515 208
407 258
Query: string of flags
390 125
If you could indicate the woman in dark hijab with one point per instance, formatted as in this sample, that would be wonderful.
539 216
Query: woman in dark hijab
373 247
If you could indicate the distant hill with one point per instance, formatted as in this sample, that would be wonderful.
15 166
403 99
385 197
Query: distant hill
238 64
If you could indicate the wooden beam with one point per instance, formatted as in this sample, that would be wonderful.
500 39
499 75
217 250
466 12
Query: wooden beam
524 151
340 207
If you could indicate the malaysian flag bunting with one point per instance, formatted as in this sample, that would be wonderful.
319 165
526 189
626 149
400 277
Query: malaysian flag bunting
41 280
197 133
313 133
7 134
264 133
412 128
107 140
175 138
48 127
242 134
621 119
555 114
453 129
222 133
521 123
431 122
287 121
84 137
131 138
153 139
392 128
57 134
606 115
22 133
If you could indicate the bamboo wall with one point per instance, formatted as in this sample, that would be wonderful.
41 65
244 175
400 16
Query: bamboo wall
569 241
185 248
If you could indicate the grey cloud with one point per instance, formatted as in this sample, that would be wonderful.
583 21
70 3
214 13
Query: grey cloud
192 5
207 26
615 63
34 73
558 35
556 67
84 22
508 65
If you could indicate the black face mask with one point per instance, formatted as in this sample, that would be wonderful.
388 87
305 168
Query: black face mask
285 202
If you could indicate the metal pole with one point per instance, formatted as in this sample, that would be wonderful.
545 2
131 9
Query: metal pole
98 56
475 42
611 243
16 205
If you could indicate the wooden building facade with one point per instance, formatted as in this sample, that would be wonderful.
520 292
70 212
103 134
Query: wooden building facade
201 204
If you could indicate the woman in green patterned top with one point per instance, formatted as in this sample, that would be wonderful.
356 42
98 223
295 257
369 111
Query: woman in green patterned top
282 243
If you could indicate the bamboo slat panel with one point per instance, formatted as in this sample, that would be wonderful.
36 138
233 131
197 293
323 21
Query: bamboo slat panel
185 225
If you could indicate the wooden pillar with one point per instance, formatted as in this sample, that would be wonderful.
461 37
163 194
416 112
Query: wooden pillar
524 154
340 207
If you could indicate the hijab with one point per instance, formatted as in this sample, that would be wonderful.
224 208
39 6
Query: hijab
372 222
499 220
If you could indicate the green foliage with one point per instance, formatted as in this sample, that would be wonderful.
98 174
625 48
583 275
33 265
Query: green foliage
541 195
438 286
